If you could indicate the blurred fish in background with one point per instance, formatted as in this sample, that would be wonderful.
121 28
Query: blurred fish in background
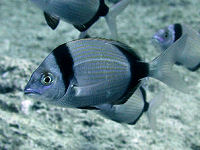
82 14
190 57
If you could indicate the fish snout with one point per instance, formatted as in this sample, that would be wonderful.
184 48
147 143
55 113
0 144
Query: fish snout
157 38
30 91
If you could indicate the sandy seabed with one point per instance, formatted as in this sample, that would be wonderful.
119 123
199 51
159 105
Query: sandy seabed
25 40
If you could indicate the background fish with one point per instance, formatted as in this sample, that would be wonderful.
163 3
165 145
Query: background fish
81 13
190 56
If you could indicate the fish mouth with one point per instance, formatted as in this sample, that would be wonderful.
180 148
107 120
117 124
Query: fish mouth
156 38
155 41
29 91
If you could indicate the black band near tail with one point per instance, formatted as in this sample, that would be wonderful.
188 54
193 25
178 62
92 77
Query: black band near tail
178 31
102 11
65 62
138 71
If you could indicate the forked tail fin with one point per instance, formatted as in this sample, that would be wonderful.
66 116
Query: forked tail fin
161 67
114 11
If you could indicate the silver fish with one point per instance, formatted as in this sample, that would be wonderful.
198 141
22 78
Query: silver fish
81 13
92 73
190 57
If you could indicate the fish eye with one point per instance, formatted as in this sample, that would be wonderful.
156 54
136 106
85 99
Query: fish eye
47 79
166 34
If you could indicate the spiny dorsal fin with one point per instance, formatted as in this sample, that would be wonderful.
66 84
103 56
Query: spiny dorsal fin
51 21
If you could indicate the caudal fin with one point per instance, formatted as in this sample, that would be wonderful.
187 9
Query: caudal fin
114 11
161 66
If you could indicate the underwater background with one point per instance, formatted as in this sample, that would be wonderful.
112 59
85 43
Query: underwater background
25 40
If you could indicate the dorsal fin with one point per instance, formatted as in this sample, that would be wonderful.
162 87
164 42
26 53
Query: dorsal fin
51 21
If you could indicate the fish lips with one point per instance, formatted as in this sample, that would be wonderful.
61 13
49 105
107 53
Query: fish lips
157 39
29 91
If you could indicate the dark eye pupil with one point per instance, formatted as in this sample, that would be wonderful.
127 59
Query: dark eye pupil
166 34
47 79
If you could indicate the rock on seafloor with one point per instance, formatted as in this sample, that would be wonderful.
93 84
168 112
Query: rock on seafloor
25 40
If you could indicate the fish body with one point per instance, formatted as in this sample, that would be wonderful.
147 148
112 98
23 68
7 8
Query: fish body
76 12
190 56
97 73
82 14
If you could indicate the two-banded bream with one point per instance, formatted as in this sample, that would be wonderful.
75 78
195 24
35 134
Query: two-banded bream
100 74
190 56
82 14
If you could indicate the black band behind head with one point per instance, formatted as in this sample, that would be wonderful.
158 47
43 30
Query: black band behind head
178 31
65 62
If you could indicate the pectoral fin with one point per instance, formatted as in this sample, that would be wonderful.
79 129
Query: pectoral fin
51 20
84 91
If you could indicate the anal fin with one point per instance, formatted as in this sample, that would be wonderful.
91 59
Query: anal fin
129 112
